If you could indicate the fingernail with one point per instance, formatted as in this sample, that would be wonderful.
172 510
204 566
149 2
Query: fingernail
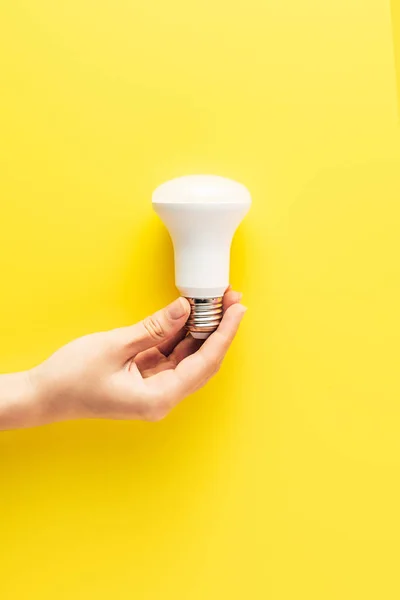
177 309
244 309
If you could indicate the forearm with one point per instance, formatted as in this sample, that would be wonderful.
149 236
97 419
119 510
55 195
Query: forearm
19 403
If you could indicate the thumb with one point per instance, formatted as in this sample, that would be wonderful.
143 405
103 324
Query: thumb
156 329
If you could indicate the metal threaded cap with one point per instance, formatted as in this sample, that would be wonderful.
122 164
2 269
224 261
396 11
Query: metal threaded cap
205 316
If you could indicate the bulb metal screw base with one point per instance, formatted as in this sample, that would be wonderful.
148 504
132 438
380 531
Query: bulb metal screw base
205 316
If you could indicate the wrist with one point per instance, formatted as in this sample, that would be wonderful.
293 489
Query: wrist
52 394
19 401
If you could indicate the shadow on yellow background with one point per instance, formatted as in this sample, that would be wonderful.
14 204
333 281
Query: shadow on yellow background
280 479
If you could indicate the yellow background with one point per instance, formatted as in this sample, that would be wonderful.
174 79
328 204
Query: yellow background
280 480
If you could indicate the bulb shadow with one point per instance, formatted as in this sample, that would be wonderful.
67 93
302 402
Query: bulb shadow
152 263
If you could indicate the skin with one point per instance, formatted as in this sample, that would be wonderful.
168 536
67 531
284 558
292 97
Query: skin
137 372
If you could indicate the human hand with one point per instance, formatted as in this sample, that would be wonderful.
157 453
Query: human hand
136 372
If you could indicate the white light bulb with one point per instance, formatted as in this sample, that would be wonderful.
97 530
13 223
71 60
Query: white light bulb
202 212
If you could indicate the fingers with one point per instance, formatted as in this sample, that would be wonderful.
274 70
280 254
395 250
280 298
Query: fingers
148 360
168 346
187 347
177 345
190 345
153 361
155 330
196 369
181 346
231 297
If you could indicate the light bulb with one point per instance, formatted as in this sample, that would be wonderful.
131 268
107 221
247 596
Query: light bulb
201 213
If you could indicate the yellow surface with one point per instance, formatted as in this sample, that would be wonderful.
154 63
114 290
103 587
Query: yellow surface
280 480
